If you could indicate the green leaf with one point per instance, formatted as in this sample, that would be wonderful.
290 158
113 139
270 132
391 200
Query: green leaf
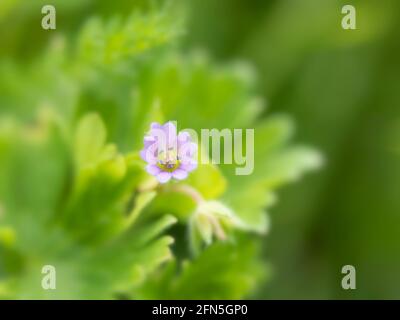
97 206
222 271
275 164
90 139
117 40
208 180
74 192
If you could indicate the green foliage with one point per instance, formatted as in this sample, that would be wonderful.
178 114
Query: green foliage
224 271
74 192
342 89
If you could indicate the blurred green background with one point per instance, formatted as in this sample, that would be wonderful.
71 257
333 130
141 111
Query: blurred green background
341 87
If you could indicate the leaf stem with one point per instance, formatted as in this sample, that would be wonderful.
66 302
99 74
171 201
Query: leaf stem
187 190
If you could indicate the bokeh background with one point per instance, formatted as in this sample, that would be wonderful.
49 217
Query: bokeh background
341 87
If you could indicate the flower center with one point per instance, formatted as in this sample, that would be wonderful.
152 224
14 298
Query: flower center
168 160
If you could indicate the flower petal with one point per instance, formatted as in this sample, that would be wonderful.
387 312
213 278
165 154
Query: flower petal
180 174
183 137
171 135
153 169
190 166
164 177
148 141
169 126
187 151
150 154
155 125
143 154
192 149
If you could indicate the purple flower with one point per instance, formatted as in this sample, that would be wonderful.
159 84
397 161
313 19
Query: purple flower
169 154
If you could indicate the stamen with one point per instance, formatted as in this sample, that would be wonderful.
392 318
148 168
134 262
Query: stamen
168 161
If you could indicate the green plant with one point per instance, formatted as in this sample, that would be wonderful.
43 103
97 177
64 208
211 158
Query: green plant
73 189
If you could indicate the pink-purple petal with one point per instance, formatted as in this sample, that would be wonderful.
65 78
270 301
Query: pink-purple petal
148 141
192 149
143 154
179 174
164 177
183 137
153 169
187 152
165 138
155 125
190 166
171 135
151 154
